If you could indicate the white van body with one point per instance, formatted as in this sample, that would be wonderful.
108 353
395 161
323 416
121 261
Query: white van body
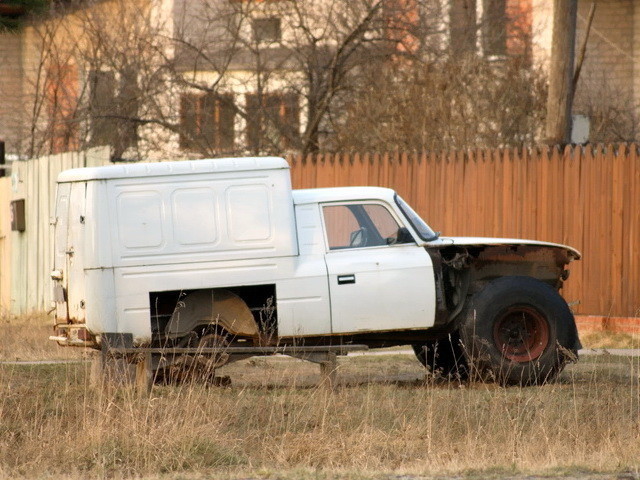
174 253
125 231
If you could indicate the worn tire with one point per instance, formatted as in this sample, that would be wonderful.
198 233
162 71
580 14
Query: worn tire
518 331
444 357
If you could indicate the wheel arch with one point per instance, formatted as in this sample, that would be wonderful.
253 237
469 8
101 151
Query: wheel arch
219 307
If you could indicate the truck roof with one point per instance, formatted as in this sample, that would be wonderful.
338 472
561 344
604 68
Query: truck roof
342 194
184 167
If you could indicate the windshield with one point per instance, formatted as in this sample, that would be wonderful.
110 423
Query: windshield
416 222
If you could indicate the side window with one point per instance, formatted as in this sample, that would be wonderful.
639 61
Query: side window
385 223
361 225
339 221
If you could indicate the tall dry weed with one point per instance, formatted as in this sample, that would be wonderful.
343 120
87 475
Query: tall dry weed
24 338
271 419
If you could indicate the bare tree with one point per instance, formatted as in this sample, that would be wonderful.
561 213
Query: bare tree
482 90
218 77
96 77
449 105
208 77
298 57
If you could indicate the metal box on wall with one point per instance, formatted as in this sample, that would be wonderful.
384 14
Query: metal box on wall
18 223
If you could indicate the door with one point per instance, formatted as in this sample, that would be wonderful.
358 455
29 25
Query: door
379 278
68 257
75 253
59 274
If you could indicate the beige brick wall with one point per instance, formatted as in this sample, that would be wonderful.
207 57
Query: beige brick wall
11 101
607 78
636 58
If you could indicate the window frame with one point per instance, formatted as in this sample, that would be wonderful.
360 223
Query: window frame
258 25
207 125
398 219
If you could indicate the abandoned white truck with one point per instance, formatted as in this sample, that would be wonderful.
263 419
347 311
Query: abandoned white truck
224 252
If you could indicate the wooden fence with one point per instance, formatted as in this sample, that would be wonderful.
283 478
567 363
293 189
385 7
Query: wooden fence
5 244
588 198
585 197
26 258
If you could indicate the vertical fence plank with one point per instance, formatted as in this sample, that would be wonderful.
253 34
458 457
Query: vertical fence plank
632 253
5 245
618 188
605 214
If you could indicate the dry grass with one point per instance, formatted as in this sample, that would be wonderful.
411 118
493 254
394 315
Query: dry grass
25 338
610 340
273 420
385 419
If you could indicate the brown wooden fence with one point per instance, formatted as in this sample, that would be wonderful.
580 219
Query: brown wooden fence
588 198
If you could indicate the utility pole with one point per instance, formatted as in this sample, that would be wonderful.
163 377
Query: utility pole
560 100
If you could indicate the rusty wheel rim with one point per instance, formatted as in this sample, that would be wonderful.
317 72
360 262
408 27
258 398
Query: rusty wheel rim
521 333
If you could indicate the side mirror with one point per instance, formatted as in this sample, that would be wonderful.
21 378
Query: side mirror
404 236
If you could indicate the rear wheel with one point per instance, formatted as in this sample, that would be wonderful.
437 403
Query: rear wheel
444 357
518 330
200 367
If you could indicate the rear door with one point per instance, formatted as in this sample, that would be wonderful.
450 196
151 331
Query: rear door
59 275
69 285
379 278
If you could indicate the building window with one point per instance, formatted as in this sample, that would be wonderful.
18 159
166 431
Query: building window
462 26
266 30
207 122
494 27
102 86
520 29
273 121
113 109
61 94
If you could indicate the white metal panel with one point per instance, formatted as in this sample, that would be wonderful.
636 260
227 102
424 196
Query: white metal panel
174 169
60 247
98 233
303 296
301 291
303 299
309 228
472 241
393 288
61 226
140 219
75 253
249 213
195 217
101 301
341 194
133 284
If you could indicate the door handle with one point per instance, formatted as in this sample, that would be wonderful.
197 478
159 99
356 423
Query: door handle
344 279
